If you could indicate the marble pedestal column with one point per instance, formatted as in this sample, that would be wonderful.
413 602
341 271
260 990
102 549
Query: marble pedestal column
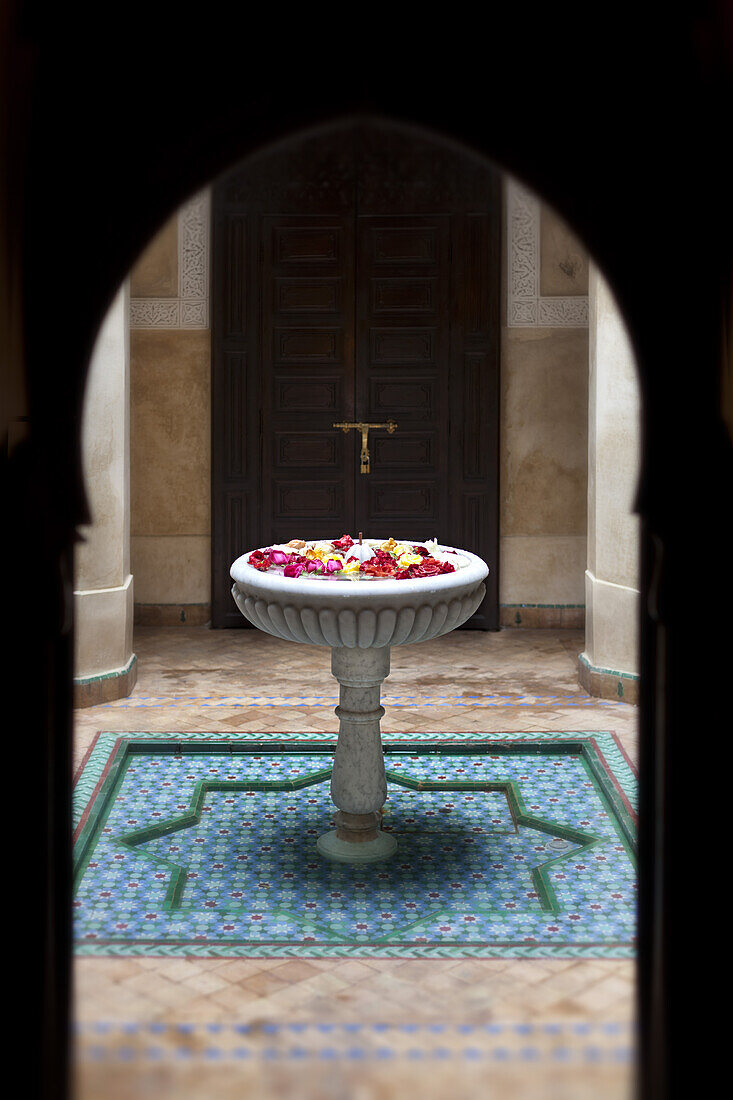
358 781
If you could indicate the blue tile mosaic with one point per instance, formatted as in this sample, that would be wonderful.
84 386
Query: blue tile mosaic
190 847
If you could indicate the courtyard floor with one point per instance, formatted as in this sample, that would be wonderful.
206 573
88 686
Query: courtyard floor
366 1027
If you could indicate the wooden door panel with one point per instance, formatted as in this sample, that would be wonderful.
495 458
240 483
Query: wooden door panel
299 450
231 277
474 398
480 248
474 459
233 514
296 245
406 245
355 278
408 294
295 346
307 295
408 450
233 453
403 346
398 500
413 400
298 395
311 364
235 401
301 499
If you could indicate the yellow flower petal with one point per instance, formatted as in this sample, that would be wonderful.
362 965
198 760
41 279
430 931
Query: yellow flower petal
407 558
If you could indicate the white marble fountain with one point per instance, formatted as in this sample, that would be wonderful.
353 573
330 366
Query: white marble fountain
359 619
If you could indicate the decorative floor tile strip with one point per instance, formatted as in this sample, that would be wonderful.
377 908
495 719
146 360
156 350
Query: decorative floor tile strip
513 845
585 1029
136 702
595 1055
545 1044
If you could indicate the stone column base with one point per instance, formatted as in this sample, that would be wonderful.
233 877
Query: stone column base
344 851
604 683
90 691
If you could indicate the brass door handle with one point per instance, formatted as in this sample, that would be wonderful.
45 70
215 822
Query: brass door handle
361 426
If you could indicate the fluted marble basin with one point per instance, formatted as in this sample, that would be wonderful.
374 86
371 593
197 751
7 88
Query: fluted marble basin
358 614
359 620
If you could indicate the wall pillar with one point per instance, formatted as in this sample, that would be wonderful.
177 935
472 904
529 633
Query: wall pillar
609 666
104 663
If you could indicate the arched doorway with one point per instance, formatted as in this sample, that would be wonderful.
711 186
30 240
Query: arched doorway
355 280
582 166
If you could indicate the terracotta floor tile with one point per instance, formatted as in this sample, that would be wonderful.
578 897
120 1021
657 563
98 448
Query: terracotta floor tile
237 970
263 984
296 970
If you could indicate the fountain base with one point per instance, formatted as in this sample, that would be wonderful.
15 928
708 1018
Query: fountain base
360 622
333 846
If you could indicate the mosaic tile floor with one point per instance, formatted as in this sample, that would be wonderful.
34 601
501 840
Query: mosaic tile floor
372 1027
507 846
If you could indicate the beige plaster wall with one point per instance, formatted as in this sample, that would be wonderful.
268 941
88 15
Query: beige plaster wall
170 442
544 439
155 275
544 414
171 515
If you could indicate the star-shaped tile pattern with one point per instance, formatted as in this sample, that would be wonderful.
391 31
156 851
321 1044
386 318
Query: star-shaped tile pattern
216 848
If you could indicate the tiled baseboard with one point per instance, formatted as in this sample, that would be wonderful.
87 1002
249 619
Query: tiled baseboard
539 616
172 614
604 683
90 691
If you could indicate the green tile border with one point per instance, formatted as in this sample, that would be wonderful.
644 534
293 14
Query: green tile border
605 683
583 660
171 614
543 616
574 606
102 676
105 687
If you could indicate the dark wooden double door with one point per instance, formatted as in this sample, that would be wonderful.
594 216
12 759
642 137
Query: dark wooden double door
355 278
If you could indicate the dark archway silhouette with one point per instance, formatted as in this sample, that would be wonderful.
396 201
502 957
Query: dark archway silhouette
638 171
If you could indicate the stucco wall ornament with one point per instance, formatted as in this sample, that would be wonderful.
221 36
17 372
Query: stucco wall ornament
191 308
526 308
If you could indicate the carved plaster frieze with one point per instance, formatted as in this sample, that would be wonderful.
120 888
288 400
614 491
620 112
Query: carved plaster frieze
571 312
193 248
191 308
155 313
526 307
